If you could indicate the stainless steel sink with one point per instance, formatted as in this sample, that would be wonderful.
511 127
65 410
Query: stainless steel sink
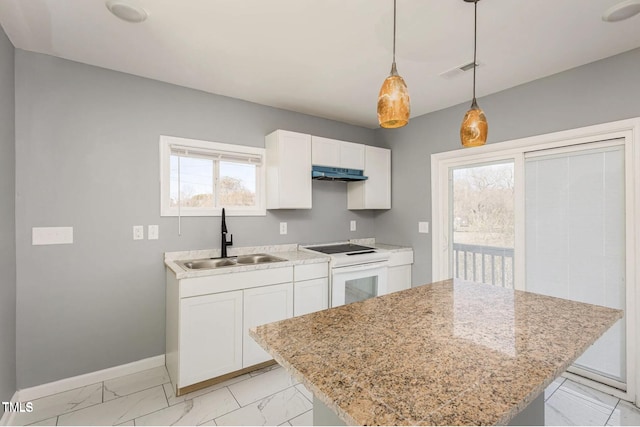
199 264
258 259
210 263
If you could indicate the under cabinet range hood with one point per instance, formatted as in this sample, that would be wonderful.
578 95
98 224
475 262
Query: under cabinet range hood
326 173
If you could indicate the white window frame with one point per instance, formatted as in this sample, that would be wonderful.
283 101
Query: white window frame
232 150
629 131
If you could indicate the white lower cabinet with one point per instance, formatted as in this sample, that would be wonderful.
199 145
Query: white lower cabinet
311 288
208 350
209 317
399 278
311 295
399 273
263 305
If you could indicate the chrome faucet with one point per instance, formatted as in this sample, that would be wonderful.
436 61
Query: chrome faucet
224 242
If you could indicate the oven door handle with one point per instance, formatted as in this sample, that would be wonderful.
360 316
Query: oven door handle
360 267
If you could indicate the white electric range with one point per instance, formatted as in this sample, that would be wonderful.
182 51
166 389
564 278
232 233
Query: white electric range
357 272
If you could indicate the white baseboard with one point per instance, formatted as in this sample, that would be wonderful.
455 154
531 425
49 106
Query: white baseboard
32 393
7 417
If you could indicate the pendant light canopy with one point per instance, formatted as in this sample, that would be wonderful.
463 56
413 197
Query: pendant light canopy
394 105
475 128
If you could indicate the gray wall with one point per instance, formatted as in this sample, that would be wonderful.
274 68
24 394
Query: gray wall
7 222
87 156
599 92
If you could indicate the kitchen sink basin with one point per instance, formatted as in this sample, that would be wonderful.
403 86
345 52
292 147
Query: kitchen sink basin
200 264
258 259
210 263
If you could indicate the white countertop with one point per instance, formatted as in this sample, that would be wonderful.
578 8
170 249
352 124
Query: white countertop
382 246
289 252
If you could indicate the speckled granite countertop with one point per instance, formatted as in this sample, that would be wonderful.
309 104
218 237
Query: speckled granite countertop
289 252
449 353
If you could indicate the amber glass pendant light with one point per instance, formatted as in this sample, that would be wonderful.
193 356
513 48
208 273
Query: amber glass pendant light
475 128
394 105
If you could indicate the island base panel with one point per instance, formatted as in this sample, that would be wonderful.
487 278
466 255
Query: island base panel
532 415
323 416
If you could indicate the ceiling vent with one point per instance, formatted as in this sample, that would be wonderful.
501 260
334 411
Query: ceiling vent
460 69
127 10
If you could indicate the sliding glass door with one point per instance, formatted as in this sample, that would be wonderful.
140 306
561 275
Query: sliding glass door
575 240
553 214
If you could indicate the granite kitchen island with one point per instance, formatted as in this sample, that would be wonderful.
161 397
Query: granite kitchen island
449 353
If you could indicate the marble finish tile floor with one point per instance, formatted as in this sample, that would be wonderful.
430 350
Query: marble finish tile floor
265 397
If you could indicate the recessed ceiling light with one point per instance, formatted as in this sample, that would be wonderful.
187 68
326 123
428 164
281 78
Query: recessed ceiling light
621 11
127 10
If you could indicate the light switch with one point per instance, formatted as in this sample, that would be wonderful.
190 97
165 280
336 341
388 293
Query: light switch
138 232
353 225
51 235
283 228
153 232
423 227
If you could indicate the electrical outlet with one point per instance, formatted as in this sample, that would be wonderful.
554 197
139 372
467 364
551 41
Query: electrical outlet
153 232
283 228
353 225
138 232
423 227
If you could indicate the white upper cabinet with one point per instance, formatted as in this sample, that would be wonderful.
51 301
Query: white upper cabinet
338 154
325 151
352 155
375 192
288 170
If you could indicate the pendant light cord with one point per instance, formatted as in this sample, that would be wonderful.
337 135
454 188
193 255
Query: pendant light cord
394 31
475 39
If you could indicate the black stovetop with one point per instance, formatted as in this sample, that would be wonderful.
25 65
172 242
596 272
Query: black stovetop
340 248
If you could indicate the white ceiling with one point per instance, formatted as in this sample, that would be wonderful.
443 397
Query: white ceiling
327 58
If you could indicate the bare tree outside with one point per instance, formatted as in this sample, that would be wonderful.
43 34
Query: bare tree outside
233 192
483 223
235 185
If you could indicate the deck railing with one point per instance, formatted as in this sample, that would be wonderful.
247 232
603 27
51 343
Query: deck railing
485 264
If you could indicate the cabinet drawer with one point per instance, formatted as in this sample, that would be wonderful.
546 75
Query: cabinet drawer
310 271
234 281
401 258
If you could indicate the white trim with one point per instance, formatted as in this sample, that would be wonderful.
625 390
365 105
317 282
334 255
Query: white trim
166 142
8 417
612 390
67 384
629 131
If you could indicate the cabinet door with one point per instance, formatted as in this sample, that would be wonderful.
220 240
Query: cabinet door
210 336
310 296
288 170
399 278
352 155
375 192
325 151
378 169
264 305
295 171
